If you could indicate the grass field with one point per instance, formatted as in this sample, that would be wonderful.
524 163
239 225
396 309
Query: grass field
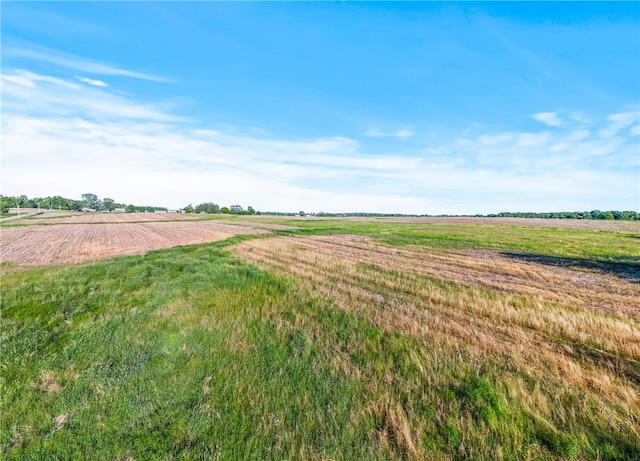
331 339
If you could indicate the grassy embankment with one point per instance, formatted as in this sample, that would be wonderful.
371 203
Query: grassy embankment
192 353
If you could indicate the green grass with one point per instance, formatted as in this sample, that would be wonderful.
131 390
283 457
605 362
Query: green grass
561 242
132 343
190 353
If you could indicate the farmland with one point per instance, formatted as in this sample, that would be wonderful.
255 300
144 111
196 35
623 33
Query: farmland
74 243
73 239
277 338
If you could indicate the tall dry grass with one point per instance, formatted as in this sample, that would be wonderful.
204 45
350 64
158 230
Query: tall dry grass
567 341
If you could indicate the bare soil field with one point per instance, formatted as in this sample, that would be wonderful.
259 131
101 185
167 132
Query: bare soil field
76 243
90 218
52 218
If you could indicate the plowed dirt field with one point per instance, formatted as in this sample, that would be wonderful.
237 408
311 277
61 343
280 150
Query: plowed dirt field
76 243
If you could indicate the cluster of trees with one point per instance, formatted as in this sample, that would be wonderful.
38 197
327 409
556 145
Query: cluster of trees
212 208
48 203
106 204
595 214
91 201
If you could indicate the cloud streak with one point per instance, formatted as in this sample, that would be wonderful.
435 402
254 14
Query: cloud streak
25 91
548 118
93 82
74 62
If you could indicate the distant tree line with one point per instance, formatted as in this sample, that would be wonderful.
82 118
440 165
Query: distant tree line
88 201
93 202
212 208
595 214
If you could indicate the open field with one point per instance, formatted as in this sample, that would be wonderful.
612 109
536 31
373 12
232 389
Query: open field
322 339
631 226
323 257
618 226
67 217
76 243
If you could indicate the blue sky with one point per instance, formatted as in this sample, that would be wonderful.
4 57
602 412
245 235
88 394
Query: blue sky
456 108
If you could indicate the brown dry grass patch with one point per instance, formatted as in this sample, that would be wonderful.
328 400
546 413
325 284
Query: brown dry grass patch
569 326
48 383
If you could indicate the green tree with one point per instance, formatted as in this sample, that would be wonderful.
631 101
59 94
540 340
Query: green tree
131 209
6 203
225 210
208 207
250 210
188 209
108 203
630 215
236 209
91 201
59 203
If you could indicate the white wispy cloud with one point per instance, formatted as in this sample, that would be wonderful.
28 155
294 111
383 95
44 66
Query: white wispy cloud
618 122
548 118
71 61
27 91
60 137
402 133
29 79
155 163
93 82
20 80
548 152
